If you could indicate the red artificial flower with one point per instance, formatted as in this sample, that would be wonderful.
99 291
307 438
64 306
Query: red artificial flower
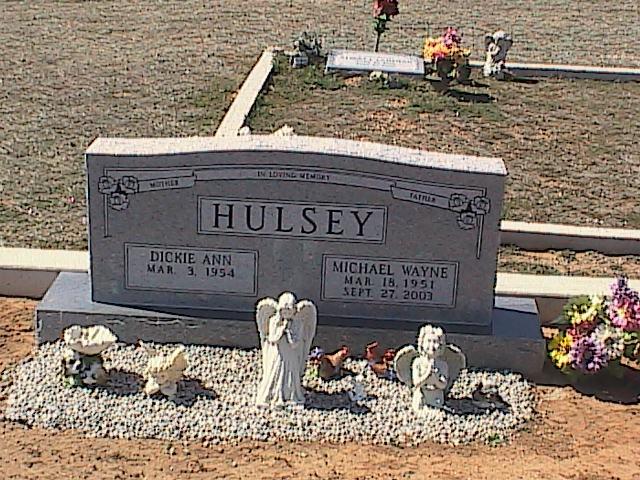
385 7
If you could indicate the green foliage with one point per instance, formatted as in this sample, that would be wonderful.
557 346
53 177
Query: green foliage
72 381
495 439
314 77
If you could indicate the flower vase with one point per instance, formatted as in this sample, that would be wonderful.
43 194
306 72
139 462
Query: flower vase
464 72
444 67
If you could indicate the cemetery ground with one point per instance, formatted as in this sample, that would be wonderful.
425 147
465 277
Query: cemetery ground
568 144
172 70
575 435
75 71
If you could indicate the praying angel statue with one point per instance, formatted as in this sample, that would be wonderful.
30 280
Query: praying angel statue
286 328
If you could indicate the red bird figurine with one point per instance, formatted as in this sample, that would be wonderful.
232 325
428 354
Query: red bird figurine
331 363
381 365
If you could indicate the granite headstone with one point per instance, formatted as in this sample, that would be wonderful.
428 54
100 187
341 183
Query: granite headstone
186 235
365 231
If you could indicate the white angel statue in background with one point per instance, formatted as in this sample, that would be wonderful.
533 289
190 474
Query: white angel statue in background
286 330
430 369
496 46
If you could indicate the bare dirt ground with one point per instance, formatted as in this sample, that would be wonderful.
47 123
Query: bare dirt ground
70 71
576 436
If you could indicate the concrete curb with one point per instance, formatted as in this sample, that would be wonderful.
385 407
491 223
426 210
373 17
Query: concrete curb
243 103
552 286
29 273
531 70
549 236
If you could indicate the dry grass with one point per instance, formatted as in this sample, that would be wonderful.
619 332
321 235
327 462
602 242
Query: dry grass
567 262
569 146
70 71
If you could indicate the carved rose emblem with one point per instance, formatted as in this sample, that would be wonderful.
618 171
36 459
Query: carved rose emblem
118 201
481 205
107 185
385 7
129 184
458 202
467 220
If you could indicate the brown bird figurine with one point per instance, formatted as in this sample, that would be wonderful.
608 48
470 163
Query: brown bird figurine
331 363
382 365
371 352
485 396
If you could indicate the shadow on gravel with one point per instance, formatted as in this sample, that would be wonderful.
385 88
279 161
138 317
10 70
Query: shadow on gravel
467 406
127 383
190 390
334 401
122 383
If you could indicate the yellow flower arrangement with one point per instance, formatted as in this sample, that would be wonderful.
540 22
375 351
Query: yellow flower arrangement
586 312
445 47
560 347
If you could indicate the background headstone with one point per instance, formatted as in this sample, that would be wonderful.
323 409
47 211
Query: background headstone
355 60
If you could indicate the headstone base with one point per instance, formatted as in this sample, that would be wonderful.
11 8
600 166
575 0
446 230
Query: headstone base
515 344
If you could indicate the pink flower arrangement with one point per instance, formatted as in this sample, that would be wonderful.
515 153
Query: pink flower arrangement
624 309
446 47
601 330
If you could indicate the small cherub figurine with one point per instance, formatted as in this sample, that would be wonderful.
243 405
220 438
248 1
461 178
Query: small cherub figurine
164 371
286 329
82 359
429 370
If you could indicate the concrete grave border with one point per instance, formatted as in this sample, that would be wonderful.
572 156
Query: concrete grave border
552 236
584 72
30 272
246 97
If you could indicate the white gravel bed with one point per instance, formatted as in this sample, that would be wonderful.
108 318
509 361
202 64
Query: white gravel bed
215 403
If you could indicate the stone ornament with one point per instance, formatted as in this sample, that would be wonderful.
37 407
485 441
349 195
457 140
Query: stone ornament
164 371
306 46
82 358
496 46
284 131
430 369
357 392
286 329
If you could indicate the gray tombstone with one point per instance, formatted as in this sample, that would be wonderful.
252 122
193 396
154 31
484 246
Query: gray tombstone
363 61
381 238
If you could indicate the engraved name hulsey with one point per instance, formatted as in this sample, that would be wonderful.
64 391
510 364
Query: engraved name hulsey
329 221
